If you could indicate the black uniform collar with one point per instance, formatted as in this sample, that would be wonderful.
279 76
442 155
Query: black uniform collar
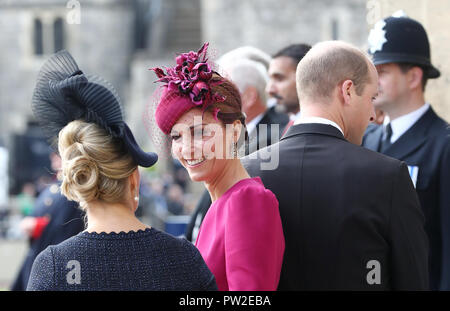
414 137
313 128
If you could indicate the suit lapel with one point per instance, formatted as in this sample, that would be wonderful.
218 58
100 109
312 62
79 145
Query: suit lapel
255 139
413 138
265 119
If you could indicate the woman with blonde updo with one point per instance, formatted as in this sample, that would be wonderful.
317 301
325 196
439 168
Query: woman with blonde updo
97 169
82 115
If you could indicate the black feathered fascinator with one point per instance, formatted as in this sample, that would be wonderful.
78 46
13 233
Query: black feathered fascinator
63 93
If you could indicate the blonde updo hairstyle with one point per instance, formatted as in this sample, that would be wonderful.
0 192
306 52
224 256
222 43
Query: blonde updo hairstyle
95 165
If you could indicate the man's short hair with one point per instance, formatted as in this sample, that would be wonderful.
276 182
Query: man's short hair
244 52
327 65
405 67
294 51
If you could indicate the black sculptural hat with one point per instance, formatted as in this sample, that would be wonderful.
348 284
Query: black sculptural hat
63 93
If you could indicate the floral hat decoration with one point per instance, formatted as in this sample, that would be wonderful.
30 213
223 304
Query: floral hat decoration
186 86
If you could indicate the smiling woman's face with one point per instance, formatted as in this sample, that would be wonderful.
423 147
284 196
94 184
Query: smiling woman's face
202 144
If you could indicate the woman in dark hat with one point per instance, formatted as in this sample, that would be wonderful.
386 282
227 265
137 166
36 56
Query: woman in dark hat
82 115
241 237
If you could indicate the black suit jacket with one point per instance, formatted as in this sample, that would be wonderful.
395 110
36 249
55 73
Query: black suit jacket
426 146
347 213
256 140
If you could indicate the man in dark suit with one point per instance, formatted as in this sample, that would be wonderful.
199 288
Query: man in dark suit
268 130
263 122
412 131
351 217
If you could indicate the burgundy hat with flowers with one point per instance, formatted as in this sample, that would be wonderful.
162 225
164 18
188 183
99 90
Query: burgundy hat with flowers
187 85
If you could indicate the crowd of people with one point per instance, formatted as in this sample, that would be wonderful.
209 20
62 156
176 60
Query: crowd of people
324 169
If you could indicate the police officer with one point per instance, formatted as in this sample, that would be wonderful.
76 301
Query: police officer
53 220
412 131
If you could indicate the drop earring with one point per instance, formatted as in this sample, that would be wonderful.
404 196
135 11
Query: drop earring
233 151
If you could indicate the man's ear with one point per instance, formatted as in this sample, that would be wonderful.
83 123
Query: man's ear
347 91
415 75
250 95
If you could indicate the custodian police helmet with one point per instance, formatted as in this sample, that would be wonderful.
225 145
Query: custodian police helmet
401 40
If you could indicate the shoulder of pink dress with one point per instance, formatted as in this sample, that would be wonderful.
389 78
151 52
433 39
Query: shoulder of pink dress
251 186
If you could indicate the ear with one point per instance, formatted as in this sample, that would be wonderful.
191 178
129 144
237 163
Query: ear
415 75
250 95
347 91
134 180
237 129
379 116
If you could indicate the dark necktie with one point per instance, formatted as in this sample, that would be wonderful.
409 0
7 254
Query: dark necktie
386 139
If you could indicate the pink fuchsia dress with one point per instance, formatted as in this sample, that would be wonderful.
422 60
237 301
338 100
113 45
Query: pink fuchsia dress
241 238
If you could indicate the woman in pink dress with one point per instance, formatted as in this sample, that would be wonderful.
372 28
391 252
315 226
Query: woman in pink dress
241 238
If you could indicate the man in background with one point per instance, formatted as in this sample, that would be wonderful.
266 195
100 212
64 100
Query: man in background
281 84
412 131
264 124
53 220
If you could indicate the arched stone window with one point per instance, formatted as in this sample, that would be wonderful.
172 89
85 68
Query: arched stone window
48 34
38 37
334 29
58 34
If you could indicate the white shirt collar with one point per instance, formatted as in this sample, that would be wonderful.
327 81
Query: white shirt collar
304 120
402 124
294 117
254 122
